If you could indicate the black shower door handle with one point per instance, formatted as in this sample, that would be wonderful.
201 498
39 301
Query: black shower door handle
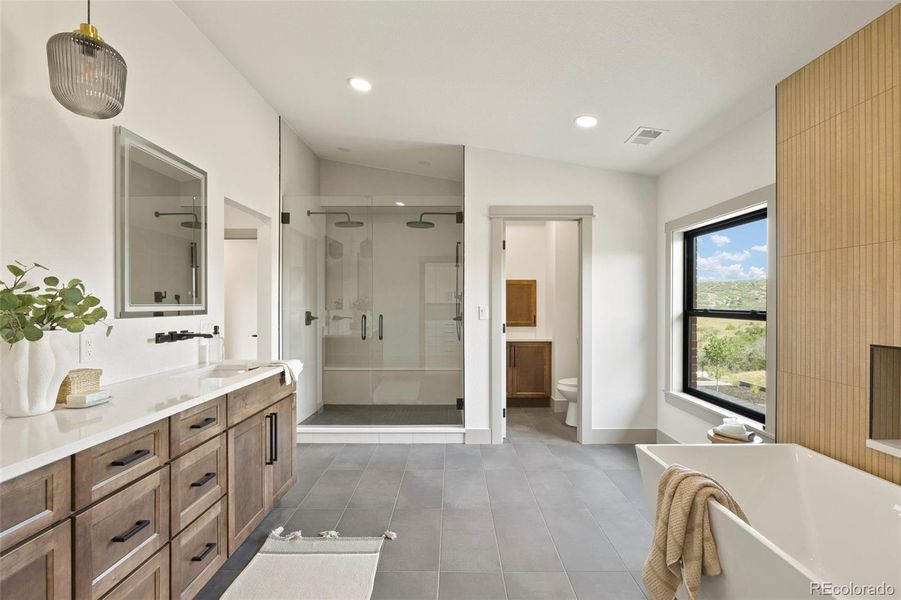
381 326
363 327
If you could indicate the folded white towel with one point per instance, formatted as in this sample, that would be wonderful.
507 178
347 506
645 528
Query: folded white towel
291 368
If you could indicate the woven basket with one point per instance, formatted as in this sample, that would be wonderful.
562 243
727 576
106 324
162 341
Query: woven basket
79 381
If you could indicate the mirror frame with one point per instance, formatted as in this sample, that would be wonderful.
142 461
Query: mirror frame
124 141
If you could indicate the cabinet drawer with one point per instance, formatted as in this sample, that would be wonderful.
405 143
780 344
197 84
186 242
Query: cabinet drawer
149 582
253 398
107 467
34 502
40 569
197 480
190 428
115 536
199 551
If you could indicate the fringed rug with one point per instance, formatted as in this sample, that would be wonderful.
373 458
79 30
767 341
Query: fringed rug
327 567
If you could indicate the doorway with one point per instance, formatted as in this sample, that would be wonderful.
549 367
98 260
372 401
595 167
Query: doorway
246 295
541 339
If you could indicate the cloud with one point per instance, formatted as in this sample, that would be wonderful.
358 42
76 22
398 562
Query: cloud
726 266
720 240
761 248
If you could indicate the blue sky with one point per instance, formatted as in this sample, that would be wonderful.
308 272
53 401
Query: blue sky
733 254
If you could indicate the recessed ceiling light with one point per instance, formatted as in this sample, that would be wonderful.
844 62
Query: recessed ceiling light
359 84
343 149
586 121
400 203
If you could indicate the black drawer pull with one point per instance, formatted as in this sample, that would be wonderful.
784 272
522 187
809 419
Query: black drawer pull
121 462
203 480
205 423
209 548
132 532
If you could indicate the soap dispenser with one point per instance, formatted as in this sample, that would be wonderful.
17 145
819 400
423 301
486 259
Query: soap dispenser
216 350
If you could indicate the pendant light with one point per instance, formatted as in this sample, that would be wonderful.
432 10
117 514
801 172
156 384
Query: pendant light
87 75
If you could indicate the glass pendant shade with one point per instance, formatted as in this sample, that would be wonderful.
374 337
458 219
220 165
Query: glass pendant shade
87 75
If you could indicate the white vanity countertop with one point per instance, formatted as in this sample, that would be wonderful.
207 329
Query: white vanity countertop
28 443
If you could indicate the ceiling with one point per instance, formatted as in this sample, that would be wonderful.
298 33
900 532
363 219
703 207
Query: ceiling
512 76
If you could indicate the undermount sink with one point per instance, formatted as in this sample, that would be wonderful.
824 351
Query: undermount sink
220 371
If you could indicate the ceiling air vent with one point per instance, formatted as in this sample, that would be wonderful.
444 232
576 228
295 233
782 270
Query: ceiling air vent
645 135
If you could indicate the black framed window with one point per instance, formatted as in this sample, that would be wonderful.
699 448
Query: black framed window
724 337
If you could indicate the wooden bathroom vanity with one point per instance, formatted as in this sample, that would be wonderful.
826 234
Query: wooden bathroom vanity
148 495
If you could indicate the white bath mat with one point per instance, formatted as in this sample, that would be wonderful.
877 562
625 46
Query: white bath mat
292 567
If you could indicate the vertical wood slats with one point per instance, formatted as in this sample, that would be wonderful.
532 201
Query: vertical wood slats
838 172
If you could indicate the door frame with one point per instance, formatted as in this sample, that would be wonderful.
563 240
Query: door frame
499 216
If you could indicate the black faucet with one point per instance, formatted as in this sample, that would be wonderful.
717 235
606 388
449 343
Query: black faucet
177 336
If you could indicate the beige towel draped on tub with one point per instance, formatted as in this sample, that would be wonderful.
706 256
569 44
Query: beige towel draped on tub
683 546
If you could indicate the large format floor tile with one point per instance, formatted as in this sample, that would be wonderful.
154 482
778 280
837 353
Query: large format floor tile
539 517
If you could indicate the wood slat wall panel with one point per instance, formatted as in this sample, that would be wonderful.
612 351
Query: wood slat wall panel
838 173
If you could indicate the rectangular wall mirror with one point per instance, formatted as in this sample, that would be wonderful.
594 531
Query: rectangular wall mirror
161 226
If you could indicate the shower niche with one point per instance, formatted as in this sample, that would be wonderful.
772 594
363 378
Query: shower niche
885 397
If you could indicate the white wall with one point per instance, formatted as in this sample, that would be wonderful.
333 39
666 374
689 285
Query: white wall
301 267
57 167
346 179
241 283
565 307
624 277
741 162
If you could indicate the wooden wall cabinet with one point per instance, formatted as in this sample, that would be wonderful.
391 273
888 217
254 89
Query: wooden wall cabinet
522 303
528 370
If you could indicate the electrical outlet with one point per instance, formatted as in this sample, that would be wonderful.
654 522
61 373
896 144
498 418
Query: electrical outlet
87 347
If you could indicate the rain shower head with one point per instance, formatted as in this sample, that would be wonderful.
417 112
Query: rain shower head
347 223
194 223
423 224
420 224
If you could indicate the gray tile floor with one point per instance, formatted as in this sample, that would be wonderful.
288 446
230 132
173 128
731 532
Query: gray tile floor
538 517
386 414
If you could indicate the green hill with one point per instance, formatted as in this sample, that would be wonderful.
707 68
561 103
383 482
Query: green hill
749 294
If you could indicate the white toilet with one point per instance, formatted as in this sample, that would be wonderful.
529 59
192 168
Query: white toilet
569 389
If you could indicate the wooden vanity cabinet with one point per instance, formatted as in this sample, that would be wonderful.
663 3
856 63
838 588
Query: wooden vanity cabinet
40 569
522 303
282 422
248 498
153 513
34 501
528 370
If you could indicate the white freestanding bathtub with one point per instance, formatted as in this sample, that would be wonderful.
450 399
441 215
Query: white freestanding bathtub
813 521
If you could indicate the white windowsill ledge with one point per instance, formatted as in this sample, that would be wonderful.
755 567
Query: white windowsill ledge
892 447
712 413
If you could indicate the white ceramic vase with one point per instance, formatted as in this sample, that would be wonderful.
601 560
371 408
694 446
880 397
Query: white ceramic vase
31 373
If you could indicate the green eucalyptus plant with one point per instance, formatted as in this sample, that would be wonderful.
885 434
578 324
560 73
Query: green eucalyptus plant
27 311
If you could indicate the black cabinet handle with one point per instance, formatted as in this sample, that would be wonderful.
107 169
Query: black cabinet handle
203 480
132 532
121 462
268 418
381 327
274 437
209 548
363 327
205 423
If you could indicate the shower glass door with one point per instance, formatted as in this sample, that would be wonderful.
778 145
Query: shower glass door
392 325
348 330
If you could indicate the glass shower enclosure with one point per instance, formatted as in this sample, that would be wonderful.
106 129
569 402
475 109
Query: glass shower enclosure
391 313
